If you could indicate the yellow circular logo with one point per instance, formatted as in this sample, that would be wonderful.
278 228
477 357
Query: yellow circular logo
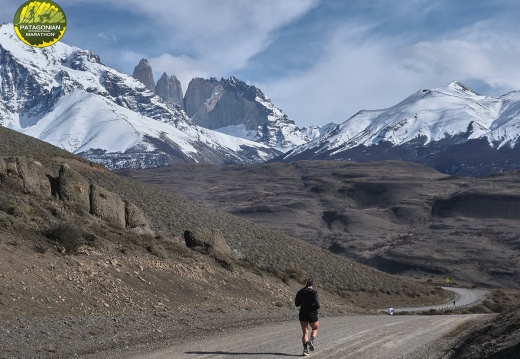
40 23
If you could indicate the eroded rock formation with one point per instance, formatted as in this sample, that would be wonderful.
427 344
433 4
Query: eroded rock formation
72 188
143 72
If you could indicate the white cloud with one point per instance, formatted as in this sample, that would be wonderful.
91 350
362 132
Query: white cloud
355 74
226 32
482 52
106 37
361 71
126 60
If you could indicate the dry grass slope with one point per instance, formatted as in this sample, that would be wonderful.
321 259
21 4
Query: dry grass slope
258 250
73 284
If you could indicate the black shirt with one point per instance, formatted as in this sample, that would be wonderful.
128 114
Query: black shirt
308 300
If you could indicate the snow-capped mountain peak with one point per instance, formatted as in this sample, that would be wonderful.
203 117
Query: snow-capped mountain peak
426 121
235 107
66 96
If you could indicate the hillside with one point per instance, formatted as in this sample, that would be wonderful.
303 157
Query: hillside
399 217
72 263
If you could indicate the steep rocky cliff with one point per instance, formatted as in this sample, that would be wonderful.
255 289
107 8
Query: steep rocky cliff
234 107
143 72
170 90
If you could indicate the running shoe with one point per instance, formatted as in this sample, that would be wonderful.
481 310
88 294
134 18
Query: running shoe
305 352
310 344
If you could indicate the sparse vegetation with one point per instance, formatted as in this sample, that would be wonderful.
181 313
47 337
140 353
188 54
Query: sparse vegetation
65 234
118 273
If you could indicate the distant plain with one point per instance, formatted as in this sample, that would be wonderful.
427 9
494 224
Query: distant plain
402 218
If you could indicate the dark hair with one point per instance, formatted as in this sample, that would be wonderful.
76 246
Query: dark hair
309 282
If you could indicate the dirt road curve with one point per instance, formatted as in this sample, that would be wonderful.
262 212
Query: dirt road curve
360 337
463 298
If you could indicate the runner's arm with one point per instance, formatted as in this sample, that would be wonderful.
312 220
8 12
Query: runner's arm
297 300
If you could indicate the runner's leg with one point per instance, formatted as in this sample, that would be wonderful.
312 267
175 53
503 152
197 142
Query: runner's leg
314 326
305 332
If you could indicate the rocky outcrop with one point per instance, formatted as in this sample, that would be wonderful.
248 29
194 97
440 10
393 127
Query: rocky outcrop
215 104
136 220
231 105
79 60
202 95
73 188
143 72
108 206
170 90
210 241
100 202
34 178
10 167
29 174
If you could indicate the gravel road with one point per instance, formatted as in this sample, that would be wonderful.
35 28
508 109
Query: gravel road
463 298
360 337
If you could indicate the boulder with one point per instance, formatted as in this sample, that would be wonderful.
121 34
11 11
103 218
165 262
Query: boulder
34 178
212 241
73 188
136 221
10 167
107 206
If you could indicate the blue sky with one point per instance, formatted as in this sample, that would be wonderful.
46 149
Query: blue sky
319 61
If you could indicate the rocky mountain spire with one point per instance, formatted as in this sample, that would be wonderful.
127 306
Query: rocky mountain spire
170 90
234 107
143 72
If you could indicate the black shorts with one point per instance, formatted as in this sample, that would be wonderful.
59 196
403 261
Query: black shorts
308 317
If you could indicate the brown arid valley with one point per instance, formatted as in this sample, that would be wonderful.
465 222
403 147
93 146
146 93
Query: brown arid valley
97 265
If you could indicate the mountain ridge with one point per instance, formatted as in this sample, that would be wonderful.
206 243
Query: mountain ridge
66 96
234 107
103 114
429 127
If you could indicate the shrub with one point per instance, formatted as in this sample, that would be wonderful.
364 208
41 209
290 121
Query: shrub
66 234
16 211
40 248
285 278
296 273
279 304
6 221
224 262
251 266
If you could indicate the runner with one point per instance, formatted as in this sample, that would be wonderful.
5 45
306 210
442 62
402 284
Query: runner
308 300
